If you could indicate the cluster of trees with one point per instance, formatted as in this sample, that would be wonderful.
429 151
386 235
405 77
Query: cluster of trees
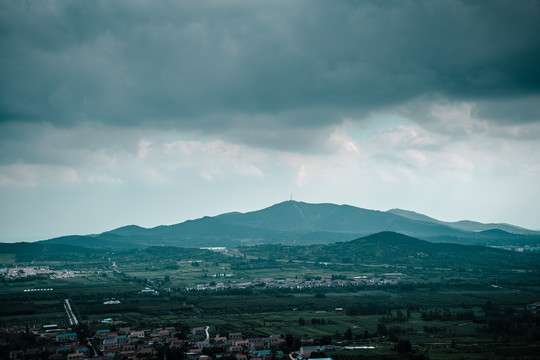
508 323
398 317
14 341
403 346
371 308
392 331
316 321
26 278
445 315
435 329
165 352
292 343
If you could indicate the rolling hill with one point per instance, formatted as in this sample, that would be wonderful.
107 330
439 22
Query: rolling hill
390 248
47 251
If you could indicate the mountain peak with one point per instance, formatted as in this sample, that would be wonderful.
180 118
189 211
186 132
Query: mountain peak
298 222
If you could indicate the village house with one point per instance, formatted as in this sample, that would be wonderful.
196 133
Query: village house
220 340
75 356
102 334
61 338
235 349
242 343
306 351
235 336
198 331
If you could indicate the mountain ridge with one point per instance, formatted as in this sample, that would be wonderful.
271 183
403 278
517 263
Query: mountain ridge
466 225
300 223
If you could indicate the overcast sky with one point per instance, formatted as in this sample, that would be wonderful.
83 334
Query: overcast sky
155 112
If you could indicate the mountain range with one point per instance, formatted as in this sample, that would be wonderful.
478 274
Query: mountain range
293 222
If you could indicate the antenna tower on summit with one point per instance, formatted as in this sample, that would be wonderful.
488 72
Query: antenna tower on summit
291 196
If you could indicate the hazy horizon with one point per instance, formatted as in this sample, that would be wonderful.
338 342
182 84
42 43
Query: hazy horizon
146 113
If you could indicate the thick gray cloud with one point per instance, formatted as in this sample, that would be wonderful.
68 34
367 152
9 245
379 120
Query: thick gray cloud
119 112
258 66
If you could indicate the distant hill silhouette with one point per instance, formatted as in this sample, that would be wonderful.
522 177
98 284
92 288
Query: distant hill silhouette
293 222
464 224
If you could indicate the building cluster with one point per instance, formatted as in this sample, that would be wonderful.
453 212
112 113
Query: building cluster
526 248
130 344
133 344
65 347
149 291
23 272
326 282
126 343
294 283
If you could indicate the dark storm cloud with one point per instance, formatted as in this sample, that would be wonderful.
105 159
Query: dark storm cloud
513 110
261 66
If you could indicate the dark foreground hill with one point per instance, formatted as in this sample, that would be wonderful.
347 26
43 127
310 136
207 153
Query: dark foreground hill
393 249
293 222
